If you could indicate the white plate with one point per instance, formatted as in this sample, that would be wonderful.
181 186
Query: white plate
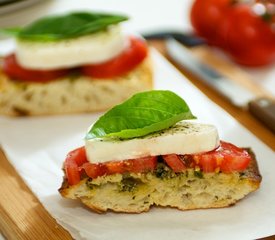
37 146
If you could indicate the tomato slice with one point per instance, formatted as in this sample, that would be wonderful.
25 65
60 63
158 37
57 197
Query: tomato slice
227 157
95 170
73 161
114 167
78 155
208 162
72 173
123 63
235 159
12 68
138 165
174 162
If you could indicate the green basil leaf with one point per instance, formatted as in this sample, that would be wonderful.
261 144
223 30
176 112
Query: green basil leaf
72 25
140 115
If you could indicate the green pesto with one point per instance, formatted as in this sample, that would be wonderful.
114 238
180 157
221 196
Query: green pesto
128 184
198 173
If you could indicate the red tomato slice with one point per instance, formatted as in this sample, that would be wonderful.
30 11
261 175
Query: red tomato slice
73 160
133 165
227 157
12 68
72 172
114 167
235 159
123 63
139 165
78 156
174 162
95 170
208 162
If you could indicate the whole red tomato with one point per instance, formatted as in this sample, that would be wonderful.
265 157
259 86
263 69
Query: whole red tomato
248 37
205 15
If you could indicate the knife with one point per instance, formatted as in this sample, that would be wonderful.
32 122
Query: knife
262 108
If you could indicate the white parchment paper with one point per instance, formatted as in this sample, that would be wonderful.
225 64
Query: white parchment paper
37 147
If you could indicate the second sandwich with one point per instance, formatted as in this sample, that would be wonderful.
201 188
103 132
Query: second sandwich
72 63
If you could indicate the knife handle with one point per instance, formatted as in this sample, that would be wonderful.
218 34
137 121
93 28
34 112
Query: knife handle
264 110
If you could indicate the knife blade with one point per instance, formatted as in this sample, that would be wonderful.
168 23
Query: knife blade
262 108
188 39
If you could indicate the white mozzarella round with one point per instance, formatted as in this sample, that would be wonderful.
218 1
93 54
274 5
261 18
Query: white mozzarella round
183 138
89 49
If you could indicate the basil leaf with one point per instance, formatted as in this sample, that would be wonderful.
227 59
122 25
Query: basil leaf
72 25
140 115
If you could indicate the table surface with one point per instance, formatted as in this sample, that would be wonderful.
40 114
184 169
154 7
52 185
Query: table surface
22 216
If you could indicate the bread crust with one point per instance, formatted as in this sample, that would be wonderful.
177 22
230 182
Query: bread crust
72 94
214 190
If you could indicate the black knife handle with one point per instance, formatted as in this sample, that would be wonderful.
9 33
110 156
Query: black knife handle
264 110
187 39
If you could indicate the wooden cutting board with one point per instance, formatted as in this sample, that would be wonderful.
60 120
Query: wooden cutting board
22 216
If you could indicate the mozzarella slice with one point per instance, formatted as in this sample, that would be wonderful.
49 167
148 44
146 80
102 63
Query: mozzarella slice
89 49
182 138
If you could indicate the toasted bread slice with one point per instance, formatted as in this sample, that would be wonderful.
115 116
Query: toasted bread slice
72 94
135 193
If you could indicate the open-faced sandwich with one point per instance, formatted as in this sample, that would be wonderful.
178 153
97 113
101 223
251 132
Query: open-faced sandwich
78 62
146 152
